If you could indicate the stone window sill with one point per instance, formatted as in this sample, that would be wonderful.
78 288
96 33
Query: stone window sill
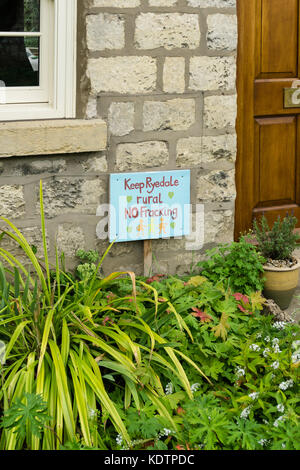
50 137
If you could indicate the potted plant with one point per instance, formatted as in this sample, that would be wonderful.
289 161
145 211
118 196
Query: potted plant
281 268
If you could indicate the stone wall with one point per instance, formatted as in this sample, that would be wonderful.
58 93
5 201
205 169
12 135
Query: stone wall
162 74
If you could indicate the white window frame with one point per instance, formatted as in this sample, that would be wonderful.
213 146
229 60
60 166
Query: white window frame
55 97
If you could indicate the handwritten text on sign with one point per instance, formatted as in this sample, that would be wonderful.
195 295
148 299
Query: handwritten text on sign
149 205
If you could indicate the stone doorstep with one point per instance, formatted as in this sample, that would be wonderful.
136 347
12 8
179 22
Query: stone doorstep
49 137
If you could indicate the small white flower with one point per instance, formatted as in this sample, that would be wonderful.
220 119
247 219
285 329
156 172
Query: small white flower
283 445
296 354
275 365
278 420
119 439
296 344
194 387
275 341
164 432
240 372
245 413
258 335
280 407
92 413
263 442
295 357
254 347
167 431
276 349
286 385
253 395
266 352
169 388
267 339
279 325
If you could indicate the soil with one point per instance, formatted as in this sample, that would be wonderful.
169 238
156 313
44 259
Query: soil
281 263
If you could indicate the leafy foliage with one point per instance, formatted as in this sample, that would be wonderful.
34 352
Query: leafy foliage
238 265
87 268
205 424
65 341
165 363
28 414
279 242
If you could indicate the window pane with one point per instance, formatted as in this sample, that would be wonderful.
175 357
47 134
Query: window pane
20 15
19 61
32 15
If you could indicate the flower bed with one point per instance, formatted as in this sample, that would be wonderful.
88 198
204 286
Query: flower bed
120 362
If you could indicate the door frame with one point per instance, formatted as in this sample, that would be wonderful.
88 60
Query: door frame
247 35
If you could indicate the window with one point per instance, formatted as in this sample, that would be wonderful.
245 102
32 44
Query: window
37 59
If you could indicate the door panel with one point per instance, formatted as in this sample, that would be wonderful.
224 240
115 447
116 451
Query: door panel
278 21
268 163
268 97
276 178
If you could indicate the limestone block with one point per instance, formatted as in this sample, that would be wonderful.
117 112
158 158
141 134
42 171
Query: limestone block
23 138
222 32
195 151
69 239
63 195
97 164
162 3
212 3
12 203
121 118
105 31
212 73
219 226
168 30
127 75
219 111
177 114
117 3
174 75
135 156
216 186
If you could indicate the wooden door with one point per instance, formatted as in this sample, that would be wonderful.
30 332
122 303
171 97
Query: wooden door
268 160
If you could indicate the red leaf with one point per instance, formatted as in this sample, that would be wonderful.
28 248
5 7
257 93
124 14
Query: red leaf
242 309
241 297
154 278
245 302
204 317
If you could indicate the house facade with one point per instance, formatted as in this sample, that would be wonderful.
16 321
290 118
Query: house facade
134 85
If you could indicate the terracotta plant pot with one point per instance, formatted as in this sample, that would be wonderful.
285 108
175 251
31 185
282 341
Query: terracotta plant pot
281 283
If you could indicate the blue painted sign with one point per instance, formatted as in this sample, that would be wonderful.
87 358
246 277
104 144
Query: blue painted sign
150 205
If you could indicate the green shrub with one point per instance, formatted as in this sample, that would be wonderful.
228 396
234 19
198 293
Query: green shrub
280 241
238 265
